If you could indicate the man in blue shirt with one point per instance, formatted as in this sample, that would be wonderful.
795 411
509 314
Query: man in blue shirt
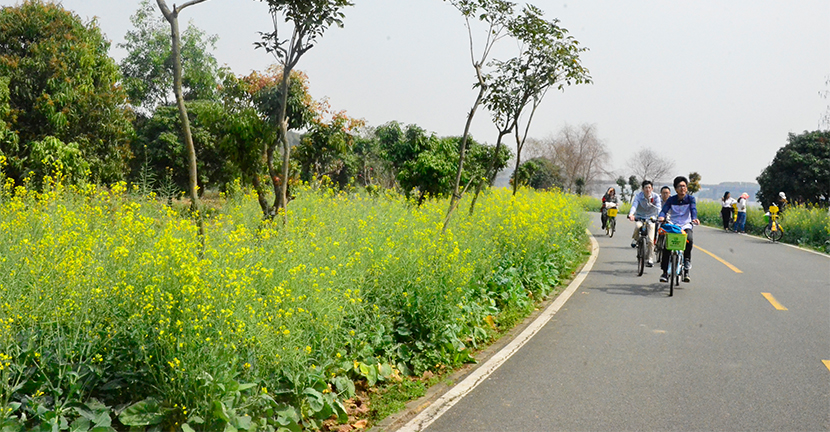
682 210
645 205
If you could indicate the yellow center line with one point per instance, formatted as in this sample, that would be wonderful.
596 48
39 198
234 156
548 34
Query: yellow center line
826 363
773 301
733 268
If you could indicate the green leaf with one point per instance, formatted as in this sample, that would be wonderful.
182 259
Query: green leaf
80 424
314 399
345 386
186 428
145 413
242 423
246 386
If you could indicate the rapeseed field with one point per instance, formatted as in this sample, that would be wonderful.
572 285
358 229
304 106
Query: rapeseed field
114 314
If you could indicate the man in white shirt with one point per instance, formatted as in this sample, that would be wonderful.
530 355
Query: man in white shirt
645 205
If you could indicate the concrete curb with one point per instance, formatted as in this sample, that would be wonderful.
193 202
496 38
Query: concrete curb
420 413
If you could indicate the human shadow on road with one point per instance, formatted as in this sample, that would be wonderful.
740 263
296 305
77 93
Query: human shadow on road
654 289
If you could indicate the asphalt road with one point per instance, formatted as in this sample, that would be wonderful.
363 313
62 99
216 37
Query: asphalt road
718 355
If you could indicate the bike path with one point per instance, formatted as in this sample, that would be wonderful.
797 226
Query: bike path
621 355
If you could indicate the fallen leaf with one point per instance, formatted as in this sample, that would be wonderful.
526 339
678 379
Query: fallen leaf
361 424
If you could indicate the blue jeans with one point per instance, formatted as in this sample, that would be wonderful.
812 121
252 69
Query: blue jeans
740 224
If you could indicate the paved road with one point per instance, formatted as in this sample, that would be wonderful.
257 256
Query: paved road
719 355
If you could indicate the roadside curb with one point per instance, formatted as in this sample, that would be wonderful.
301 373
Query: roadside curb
420 413
801 248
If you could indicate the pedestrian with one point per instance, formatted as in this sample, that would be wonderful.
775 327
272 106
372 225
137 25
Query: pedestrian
726 209
609 200
740 223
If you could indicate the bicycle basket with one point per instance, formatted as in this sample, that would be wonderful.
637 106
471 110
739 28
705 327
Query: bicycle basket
675 242
612 212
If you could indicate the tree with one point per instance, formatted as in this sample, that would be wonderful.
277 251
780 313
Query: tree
327 149
621 183
309 19
578 152
694 183
148 66
800 169
61 84
496 14
648 165
548 57
634 186
538 173
172 17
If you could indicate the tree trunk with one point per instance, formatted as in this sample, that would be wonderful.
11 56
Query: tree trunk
193 187
462 151
489 173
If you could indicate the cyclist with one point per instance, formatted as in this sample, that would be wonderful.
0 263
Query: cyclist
665 193
608 200
682 209
645 205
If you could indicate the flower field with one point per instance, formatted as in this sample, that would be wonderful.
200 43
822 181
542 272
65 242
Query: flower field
803 226
113 315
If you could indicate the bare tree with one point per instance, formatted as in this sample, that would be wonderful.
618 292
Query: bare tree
578 152
646 164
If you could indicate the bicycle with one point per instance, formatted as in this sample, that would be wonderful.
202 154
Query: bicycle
773 231
642 245
675 245
611 222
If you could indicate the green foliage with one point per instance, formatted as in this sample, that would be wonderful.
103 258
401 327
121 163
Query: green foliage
61 84
694 183
327 150
148 66
161 145
427 164
51 157
539 173
800 169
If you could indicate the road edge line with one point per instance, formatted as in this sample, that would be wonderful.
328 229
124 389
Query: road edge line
455 394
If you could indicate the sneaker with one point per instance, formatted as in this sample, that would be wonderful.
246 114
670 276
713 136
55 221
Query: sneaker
664 277
686 277
649 263
687 265
633 243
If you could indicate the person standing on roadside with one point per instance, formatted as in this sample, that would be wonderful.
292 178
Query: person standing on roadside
740 223
609 200
682 208
726 209
645 205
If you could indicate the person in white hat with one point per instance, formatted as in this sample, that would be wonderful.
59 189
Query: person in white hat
781 202
740 223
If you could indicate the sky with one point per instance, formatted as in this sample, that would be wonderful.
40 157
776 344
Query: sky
715 86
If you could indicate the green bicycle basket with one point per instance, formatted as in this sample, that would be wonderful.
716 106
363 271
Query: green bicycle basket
675 242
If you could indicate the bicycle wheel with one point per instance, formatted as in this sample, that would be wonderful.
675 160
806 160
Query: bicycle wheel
673 277
641 255
777 234
613 223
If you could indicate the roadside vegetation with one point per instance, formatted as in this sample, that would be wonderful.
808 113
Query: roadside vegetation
806 226
115 316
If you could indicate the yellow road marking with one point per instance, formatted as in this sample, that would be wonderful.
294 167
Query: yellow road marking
733 268
826 363
774 302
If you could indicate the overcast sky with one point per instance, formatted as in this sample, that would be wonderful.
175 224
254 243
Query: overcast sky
715 85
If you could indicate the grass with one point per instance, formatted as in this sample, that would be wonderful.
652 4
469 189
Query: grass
803 225
113 315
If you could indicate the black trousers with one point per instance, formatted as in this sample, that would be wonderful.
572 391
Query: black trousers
687 253
726 214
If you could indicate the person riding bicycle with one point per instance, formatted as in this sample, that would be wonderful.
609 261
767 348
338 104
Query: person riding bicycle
608 199
645 205
682 208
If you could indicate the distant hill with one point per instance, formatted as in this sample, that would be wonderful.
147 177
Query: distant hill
715 192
